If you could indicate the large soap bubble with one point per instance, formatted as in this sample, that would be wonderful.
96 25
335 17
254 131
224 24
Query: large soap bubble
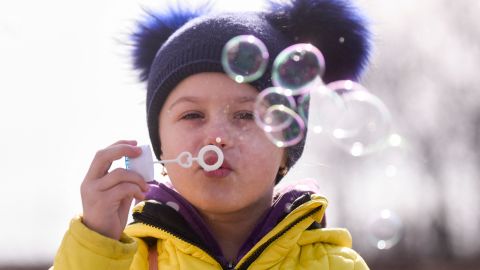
385 230
291 134
321 108
266 117
244 58
363 127
298 67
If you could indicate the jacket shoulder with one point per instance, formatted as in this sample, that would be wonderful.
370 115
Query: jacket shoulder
330 249
82 248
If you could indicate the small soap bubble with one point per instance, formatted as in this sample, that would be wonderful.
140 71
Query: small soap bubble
244 58
273 120
357 149
298 67
363 127
395 140
289 135
385 230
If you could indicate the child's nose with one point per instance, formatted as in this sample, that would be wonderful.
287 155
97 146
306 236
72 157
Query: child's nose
218 134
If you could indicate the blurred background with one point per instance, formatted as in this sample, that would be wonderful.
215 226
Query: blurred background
67 90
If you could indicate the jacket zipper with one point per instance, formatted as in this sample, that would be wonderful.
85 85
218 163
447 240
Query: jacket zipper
146 219
259 250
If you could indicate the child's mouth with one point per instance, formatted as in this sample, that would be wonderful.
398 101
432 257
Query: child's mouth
218 173
224 170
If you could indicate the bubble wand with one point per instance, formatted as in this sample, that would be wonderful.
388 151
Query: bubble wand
143 164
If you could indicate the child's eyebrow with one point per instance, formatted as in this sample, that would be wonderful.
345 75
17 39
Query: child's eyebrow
185 99
191 99
246 99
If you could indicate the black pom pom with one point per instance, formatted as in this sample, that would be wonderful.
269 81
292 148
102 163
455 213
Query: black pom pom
155 28
337 28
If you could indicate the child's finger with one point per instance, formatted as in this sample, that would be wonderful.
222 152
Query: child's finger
125 190
121 175
104 158
129 142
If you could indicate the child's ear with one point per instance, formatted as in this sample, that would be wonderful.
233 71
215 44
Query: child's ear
283 169
284 159
161 154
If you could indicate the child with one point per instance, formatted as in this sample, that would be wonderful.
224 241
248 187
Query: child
229 218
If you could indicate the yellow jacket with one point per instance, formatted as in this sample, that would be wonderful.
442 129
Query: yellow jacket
292 244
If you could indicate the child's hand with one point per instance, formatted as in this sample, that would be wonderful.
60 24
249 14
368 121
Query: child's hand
107 196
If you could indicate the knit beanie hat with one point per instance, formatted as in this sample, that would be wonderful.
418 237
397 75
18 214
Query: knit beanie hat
170 46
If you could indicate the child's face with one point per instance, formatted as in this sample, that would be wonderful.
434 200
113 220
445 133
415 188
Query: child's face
210 108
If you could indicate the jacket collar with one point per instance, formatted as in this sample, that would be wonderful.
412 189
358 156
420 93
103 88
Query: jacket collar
167 214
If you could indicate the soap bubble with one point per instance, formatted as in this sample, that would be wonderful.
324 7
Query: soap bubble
244 58
385 230
272 120
321 108
363 127
291 134
298 67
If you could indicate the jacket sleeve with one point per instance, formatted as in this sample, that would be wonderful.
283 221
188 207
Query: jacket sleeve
83 249
360 264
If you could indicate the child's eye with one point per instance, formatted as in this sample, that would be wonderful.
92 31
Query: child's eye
191 116
244 115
